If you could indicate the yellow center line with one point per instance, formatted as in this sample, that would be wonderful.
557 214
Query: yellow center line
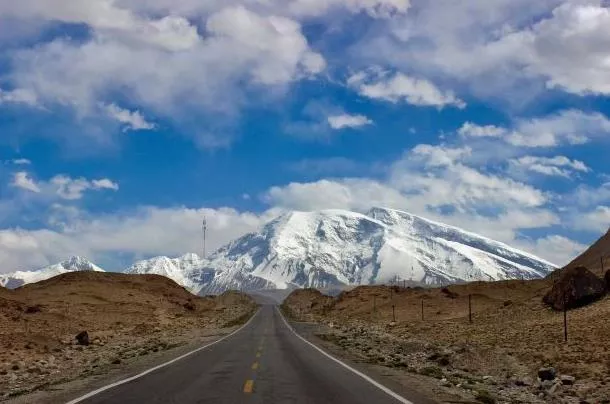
258 354
255 366
248 386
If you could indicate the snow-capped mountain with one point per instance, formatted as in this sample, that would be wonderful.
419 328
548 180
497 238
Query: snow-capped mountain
18 278
335 248
187 270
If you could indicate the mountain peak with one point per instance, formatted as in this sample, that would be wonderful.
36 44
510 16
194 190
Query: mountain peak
72 264
334 248
77 263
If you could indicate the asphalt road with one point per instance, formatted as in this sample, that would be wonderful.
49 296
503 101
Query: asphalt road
264 362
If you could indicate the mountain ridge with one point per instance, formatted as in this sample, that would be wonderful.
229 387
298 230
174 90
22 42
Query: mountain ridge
75 263
340 248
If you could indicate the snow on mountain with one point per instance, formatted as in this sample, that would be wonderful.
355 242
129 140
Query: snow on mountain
186 270
334 248
18 278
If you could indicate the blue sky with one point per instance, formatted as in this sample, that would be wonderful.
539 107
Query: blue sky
124 122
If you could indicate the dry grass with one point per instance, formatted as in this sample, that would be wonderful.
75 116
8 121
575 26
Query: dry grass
512 334
125 316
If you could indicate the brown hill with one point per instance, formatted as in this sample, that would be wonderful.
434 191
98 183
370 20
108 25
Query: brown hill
592 257
125 317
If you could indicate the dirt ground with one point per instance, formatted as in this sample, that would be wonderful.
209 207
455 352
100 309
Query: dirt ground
496 358
126 317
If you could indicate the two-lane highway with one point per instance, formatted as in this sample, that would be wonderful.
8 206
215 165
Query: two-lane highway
264 362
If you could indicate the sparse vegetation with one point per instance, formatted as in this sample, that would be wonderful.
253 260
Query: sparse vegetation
497 357
80 324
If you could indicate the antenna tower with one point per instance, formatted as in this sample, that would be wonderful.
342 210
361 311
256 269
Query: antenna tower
205 228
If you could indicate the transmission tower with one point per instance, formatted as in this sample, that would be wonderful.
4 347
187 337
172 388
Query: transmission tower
205 228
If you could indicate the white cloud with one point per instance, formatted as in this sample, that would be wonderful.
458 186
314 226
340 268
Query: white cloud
62 186
149 231
21 161
557 249
507 49
133 120
73 188
348 121
571 127
552 166
163 66
18 96
24 181
380 85
104 183
470 129
597 220
375 8
570 47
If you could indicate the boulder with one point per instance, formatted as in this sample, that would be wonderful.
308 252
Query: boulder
607 279
567 380
576 287
82 338
547 373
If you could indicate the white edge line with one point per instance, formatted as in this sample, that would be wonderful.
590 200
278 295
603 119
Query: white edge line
130 379
351 369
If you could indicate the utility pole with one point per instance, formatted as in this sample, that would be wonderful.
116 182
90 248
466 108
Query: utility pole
205 228
565 318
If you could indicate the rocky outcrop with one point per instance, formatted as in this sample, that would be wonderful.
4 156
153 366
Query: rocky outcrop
576 287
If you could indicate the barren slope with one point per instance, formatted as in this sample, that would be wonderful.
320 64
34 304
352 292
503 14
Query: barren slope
591 258
126 316
512 335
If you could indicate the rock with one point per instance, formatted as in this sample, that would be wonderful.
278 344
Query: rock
523 381
567 380
82 338
448 293
554 388
547 373
445 383
576 287
607 279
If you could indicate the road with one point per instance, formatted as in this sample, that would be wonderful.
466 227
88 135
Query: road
264 362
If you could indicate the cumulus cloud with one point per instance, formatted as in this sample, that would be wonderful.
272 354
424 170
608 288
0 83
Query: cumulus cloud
132 120
400 87
21 161
559 250
570 127
61 186
23 180
18 96
348 121
73 188
552 166
508 49
148 231
597 220
164 65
